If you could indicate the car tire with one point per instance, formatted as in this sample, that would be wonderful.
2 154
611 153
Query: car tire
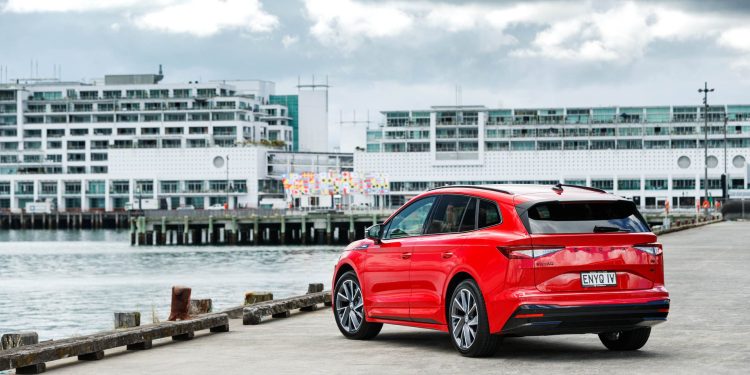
471 340
349 309
626 340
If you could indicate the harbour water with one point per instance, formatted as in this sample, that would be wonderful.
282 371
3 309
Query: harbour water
65 283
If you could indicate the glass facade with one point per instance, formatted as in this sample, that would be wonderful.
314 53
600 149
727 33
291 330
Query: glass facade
291 102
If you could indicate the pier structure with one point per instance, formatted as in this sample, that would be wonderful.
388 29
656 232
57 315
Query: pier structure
277 227
66 220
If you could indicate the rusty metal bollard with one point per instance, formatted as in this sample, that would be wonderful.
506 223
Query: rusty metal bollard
180 309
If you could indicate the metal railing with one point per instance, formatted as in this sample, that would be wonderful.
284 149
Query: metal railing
265 212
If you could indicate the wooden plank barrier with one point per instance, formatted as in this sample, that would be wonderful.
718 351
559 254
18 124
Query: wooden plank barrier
253 314
25 359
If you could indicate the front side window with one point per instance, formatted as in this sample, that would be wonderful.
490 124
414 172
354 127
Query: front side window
410 221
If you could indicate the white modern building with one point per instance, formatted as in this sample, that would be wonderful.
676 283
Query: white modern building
101 145
313 112
651 155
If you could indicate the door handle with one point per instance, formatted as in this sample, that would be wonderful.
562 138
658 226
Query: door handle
447 255
405 255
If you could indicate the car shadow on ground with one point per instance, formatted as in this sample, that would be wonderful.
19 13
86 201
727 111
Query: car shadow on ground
543 349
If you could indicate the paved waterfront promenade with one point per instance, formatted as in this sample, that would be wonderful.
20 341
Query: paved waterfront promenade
708 332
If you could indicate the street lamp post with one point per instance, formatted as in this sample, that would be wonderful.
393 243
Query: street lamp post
725 192
227 158
705 90
140 198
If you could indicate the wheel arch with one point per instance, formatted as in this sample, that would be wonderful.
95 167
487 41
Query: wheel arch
344 268
455 279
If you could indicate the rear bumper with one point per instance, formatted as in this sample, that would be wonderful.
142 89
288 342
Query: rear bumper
538 320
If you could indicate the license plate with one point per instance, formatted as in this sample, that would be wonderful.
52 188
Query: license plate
599 278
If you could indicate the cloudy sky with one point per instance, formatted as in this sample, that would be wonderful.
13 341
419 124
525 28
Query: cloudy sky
401 54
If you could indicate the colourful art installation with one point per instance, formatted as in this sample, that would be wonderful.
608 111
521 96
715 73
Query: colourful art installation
333 183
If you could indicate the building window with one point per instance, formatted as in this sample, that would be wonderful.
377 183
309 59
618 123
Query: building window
99 145
602 184
76 157
95 187
112 94
629 184
72 187
656 184
120 187
217 186
49 188
100 156
683 184
194 186
239 186
144 187
196 143
170 186
171 143
181 93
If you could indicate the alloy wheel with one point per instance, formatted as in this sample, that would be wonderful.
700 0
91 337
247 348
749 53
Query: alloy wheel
464 319
349 306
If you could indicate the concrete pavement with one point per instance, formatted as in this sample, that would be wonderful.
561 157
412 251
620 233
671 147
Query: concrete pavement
708 275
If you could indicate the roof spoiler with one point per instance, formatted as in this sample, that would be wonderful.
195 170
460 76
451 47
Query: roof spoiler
560 188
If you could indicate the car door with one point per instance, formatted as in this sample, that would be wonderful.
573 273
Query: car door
433 255
386 271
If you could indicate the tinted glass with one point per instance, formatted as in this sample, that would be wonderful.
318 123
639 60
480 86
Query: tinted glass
585 217
470 217
410 221
488 214
448 213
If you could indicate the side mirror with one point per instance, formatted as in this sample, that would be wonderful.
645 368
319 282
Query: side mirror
374 232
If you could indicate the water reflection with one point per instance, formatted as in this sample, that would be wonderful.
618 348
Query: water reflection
61 283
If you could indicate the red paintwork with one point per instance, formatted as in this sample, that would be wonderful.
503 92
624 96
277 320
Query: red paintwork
405 281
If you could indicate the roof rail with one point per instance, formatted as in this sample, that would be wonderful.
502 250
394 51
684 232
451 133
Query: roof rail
560 187
483 187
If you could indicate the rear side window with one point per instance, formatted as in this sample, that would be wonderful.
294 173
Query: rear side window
585 217
488 214
470 217
448 214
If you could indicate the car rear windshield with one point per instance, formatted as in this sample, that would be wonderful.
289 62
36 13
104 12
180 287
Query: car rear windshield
585 217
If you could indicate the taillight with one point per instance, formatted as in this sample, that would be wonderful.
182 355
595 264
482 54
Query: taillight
651 248
528 252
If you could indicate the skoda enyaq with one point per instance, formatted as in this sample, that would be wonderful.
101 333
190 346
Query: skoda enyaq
484 262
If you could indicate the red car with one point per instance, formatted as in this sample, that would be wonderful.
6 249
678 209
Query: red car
483 262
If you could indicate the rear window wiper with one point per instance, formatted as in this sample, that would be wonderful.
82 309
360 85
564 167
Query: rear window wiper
606 229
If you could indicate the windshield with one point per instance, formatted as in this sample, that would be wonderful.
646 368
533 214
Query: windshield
585 217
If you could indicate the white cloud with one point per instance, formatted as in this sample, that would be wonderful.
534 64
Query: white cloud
289 40
736 38
346 23
621 33
208 17
197 17
32 6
